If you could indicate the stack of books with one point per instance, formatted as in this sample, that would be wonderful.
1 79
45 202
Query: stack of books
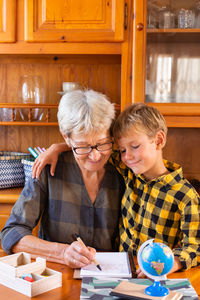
97 288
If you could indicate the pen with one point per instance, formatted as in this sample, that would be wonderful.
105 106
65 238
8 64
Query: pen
32 152
81 242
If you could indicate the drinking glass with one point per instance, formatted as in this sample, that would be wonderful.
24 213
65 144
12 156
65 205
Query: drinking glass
186 18
6 114
166 18
31 91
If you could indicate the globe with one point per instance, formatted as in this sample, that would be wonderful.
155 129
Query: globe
155 260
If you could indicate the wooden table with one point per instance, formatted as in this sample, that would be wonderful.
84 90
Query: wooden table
70 289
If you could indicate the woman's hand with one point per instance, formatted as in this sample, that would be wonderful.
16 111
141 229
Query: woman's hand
48 157
78 256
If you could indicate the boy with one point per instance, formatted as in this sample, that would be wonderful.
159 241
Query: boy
158 202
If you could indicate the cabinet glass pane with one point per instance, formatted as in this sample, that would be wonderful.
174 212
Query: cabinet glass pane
173 51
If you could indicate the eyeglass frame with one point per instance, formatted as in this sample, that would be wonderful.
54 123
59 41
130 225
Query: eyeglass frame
92 147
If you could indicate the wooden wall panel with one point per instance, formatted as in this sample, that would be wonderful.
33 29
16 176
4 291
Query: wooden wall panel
183 147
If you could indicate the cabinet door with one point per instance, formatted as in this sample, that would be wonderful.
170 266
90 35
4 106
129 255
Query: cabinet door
166 61
7 21
74 20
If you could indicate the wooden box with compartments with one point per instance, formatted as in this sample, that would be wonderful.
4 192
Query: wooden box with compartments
29 278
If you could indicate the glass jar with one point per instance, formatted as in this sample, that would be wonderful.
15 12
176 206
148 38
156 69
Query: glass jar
151 15
31 91
197 14
7 114
186 18
166 18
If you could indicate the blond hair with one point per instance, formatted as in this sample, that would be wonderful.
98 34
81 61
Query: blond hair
141 117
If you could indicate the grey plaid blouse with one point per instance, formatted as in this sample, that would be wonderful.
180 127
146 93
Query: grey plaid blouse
63 206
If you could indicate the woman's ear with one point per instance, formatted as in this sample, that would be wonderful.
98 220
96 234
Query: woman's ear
67 140
160 140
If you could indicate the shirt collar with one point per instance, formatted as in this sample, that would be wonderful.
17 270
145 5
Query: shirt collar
175 175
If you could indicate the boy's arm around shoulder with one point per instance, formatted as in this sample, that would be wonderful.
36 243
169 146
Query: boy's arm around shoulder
50 156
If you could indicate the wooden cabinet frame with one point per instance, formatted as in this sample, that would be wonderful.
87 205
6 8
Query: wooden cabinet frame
7 21
176 114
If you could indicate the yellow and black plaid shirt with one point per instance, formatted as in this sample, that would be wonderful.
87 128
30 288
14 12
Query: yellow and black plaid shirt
166 209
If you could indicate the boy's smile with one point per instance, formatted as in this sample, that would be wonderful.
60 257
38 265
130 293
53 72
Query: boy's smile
142 154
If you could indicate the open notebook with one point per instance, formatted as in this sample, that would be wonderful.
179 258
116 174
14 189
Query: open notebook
113 264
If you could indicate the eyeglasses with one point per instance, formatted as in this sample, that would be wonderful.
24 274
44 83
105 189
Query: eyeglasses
87 150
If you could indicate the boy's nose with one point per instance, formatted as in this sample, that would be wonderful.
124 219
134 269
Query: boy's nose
129 155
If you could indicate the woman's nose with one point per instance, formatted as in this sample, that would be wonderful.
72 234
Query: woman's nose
95 155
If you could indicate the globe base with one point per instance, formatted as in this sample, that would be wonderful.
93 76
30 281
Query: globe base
156 290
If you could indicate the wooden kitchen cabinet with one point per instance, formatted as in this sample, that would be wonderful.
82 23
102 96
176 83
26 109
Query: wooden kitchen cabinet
74 21
95 52
7 21
166 63
63 21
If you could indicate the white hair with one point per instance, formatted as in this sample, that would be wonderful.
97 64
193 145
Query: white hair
84 111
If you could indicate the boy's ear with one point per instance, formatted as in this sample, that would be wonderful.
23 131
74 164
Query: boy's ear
160 140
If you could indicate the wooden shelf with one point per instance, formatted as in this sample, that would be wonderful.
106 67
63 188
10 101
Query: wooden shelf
24 123
173 30
175 35
189 114
46 119
183 109
22 47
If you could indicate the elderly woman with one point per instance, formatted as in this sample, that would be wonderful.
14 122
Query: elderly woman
83 197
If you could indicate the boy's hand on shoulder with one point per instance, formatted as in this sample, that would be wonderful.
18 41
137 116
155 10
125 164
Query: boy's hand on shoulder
50 156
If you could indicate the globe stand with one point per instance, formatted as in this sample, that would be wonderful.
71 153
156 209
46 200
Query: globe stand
150 257
156 290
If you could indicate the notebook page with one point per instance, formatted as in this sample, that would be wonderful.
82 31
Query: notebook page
114 264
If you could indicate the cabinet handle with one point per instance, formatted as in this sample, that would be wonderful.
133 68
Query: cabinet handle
140 26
